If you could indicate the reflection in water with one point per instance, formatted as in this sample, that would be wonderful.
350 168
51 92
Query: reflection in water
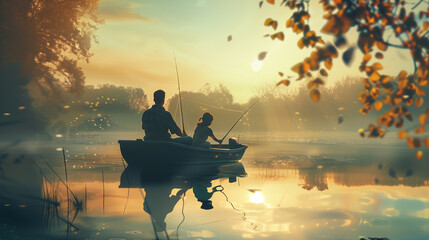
159 183
370 191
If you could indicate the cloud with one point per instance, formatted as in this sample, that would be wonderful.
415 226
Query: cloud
115 10
123 73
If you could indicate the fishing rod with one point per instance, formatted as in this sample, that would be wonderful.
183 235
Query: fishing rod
239 119
180 95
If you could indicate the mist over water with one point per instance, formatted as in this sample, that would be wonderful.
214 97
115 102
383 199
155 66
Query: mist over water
295 185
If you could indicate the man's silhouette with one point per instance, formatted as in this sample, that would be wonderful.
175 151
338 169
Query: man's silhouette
156 122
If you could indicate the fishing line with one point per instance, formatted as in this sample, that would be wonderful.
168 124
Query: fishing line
183 215
212 106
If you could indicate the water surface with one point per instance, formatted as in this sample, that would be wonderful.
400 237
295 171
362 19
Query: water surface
287 186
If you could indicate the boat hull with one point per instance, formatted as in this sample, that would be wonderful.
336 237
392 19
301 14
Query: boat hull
138 152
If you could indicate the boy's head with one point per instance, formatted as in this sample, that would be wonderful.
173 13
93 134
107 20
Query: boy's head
207 119
159 97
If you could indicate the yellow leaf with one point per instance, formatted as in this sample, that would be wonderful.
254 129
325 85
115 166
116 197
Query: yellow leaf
270 1
381 46
284 82
328 63
301 43
378 105
315 95
419 154
268 22
419 101
403 74
377 66
385 79
297 68
413 142
422 119
280 35
374 77
274 25
379 55
402 134
367 57
426 141
323 72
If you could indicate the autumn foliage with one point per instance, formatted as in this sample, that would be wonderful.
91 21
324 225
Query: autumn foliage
380 25
47 39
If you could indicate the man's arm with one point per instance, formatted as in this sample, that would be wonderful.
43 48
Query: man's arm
174 129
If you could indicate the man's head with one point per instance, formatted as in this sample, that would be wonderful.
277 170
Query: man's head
159 97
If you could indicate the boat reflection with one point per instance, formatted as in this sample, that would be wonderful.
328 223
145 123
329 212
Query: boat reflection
164 186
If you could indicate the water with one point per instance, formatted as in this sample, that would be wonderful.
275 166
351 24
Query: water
288 186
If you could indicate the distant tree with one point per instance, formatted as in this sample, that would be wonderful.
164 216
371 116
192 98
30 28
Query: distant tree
380 24
106 107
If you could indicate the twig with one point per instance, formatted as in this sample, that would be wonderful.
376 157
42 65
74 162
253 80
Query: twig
128 186
68 196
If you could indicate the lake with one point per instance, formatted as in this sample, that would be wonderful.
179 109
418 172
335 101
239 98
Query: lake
287 186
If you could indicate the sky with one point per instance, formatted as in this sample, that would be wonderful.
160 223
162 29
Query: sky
139 39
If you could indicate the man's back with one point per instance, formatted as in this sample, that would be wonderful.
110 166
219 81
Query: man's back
156 122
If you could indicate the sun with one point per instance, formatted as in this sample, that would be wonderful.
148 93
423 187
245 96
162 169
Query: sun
257 65
256 197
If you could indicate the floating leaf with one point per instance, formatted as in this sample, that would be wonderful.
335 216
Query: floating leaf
284 82
229 38
419 155
260 4
280 74
378 105
340 119
315 95
262 55
348 56
280 35
402 134
270 1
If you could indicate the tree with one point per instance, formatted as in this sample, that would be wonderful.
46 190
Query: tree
44 40
380 24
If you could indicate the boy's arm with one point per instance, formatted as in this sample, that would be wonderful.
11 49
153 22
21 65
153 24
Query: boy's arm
214 138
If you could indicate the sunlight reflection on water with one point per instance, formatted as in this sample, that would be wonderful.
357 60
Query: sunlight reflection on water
320 186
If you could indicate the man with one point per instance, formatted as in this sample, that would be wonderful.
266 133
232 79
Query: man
156 122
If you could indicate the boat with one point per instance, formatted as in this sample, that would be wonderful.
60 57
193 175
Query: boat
180 177
139 152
